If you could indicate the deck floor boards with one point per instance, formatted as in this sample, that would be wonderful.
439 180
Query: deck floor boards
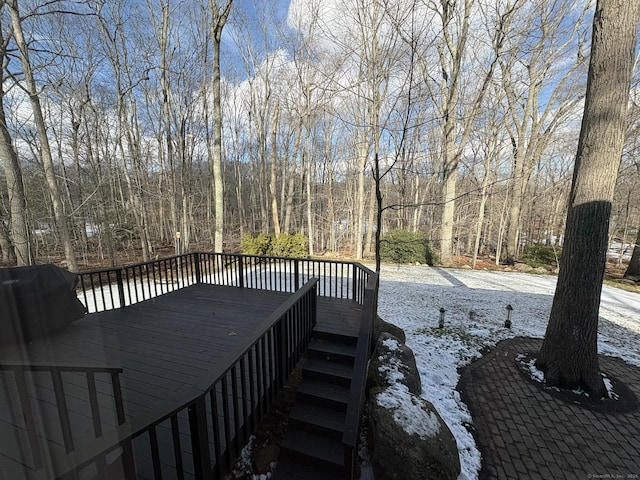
166 345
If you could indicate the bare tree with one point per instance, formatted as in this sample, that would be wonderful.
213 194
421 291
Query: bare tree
219 14
539 94
41 128
20 245
569 354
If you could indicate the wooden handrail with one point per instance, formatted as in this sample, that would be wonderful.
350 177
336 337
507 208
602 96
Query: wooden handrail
359 377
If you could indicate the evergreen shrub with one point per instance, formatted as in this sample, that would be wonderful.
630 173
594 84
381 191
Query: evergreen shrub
541 255
257 245
283 245
403 246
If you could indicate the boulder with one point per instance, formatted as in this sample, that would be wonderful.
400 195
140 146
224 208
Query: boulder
540 270
393 362
380 326
410 440
523 268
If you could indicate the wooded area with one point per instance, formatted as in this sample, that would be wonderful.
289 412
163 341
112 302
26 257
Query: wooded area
465 114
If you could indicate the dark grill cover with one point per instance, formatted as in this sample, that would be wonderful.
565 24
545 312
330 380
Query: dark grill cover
35 301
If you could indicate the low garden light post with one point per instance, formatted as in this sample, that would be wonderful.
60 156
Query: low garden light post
441 321
507 322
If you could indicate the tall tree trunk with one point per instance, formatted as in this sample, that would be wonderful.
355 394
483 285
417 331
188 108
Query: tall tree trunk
219 14
360 195
569 354
481 208
41 129
273 177
20 245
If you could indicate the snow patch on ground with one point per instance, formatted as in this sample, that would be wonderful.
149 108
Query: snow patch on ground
475 303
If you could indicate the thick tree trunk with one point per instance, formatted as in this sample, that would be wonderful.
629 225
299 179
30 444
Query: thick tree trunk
569 354
448 213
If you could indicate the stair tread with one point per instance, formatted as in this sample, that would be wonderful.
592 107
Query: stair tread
329 418
329 391
314 446
334 369
333 347
288 469
347 338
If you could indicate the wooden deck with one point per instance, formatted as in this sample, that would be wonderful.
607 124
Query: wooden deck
168 347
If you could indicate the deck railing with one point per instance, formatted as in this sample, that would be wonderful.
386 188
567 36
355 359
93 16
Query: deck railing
52 377
107 289
216 421
114 288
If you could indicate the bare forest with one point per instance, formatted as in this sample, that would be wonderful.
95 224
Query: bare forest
133 128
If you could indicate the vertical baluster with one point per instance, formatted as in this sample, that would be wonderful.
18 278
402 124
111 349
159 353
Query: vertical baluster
272 368
93 403
199 438
260 370
155 454
253 401
177 447
216 431
84 291
127 449
29 419
104 301
226 421
63 411
120 288
244 396
236 411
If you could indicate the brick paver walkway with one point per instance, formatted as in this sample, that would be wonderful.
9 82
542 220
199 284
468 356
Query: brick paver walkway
525 433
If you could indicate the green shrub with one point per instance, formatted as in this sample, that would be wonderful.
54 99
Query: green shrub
540 255
258 245
403 246
284 245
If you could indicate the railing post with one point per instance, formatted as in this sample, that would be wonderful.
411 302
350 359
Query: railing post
200 438
281 351
196 260
120 288
241 270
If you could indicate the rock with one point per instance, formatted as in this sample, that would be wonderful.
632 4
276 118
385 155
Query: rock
523 268
466 267
380 326
540 270
410 439
393 362
264 457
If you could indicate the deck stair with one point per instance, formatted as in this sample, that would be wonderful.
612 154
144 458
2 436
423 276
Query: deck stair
312 448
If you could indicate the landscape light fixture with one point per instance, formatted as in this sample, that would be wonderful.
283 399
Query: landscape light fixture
507 322
441 322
